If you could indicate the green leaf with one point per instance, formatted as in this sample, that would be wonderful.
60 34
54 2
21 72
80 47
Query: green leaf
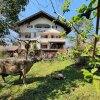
75 18
96 77
94 14
65 7
82 9
86 72
88 78
94 70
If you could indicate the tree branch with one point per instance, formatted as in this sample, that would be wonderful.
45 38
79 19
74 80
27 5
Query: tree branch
97 28
88 12
64 18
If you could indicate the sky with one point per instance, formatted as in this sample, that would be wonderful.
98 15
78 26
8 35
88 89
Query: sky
35 6
45 5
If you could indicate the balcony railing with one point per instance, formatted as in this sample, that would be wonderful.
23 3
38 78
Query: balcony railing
34 29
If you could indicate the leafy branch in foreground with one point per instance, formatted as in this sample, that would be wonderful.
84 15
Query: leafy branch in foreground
90 76
84 11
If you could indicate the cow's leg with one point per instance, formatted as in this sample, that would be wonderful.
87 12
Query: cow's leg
20 77
3 79
24 77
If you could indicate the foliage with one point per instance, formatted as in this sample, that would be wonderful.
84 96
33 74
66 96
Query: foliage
3 25
3 54
9 10
98 51
82 26
65 7
87 50
32 49
91 76
94 62
2 42
84 12
63 34
81 51
60 56
88 76
81 46
15 43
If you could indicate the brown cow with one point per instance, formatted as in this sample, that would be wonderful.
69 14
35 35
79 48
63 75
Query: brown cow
16 68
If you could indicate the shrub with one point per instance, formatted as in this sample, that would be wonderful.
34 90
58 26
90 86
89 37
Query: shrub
3 54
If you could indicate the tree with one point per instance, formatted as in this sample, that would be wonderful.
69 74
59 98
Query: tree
83 11
9 10
85 27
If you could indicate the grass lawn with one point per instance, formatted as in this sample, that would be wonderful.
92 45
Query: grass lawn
40 85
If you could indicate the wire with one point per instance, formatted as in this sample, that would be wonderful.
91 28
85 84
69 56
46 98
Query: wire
41 4
71 24
35 5
53 6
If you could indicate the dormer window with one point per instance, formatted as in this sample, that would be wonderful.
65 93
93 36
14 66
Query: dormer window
29 26
42 26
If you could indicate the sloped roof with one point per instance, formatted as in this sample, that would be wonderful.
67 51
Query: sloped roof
46 15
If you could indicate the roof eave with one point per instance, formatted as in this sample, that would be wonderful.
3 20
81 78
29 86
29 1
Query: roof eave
44 14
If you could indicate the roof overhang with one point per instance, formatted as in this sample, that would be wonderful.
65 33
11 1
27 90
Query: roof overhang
46 15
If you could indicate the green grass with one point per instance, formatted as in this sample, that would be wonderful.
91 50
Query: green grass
40 85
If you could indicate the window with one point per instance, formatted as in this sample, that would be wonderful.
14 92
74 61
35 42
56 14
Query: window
42 26
52 36
42 36
56 45
28 36
57 36
54 26
34 35
46 36
43 46
29 26
20 35
52 46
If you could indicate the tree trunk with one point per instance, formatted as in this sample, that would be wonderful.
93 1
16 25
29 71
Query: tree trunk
77 40
97 28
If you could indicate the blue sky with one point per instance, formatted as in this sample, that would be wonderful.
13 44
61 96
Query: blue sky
45 5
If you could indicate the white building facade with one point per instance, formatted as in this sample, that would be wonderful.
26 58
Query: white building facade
43 28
